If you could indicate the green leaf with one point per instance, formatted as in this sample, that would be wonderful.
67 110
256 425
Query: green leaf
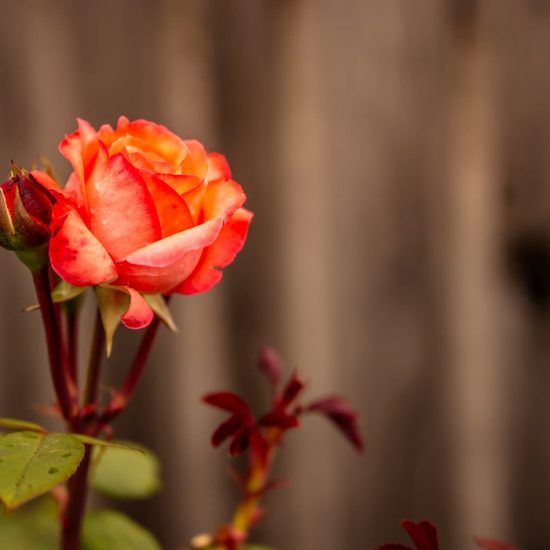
158 304
112 305
15 424
89 440
32 527
123 474
111 530
32 464
65 291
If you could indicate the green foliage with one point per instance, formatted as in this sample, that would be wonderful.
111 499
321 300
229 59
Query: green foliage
33 463
16 424
123 474
111 530
89 440
32 527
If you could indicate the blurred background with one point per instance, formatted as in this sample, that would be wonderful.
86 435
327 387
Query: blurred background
397 157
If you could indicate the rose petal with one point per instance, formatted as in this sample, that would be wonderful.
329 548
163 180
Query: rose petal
162 265
172 210
151 137
229 242
180 184
218 168
75 253
194 162
80 148
139 313
46 181
222 199
75 191
122 212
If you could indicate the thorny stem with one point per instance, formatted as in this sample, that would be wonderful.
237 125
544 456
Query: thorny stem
64 389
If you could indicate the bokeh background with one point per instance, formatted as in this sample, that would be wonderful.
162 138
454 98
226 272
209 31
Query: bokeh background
397 156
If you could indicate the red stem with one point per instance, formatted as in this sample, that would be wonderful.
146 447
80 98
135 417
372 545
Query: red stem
72 341
65 391
78 484
94 365
74 512
120 399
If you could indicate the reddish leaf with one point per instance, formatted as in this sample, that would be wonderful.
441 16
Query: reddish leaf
423 534
430 530
229 402
279 419
239 444
271 365
226 429
339 411
394 546
491 544
291 391
419 536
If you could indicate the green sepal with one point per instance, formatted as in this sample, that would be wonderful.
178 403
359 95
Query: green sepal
158 304
112 305
111 530
121 474
64 291
33 463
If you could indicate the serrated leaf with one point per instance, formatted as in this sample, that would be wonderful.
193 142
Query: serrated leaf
111 530
65 291
16 424
123 474
89 440
32 527
32 464
158 304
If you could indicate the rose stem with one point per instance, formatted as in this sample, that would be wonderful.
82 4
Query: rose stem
78 489
78 484
94 365
58 364
72 340
120 399
247 512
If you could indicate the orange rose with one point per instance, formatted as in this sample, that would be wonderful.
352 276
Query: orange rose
148 213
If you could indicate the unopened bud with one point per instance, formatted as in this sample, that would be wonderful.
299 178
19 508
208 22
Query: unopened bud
25 214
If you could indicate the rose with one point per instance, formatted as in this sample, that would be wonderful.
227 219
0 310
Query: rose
148 213
26 206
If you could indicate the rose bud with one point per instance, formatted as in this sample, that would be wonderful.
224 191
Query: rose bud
26 207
